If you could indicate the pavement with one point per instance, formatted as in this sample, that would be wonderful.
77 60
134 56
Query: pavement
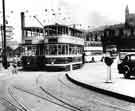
94 76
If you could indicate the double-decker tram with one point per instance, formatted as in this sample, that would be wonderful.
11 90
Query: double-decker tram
63 47
32 55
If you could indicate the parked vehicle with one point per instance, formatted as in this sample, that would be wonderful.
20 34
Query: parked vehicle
127 66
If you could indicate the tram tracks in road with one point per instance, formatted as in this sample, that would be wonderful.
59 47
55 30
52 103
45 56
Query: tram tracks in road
52 96
59 102
18 100
92 101
9 105
68 106
48 93
95 99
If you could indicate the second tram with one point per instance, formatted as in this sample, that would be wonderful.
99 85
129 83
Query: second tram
32 55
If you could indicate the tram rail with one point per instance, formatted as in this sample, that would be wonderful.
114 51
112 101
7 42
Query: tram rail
70 107
62 104
97 100
23 107
52 98
48 93
9 105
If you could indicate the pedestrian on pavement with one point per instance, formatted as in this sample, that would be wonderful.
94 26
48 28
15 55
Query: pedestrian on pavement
14 65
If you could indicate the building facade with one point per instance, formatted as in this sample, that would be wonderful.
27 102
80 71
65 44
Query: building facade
122 36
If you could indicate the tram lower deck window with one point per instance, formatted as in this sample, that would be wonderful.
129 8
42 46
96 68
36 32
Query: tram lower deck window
62 49
53 40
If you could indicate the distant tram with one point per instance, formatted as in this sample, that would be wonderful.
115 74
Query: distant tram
93 51
63 47
93 47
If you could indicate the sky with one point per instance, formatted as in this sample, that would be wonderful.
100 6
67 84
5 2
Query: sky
91 13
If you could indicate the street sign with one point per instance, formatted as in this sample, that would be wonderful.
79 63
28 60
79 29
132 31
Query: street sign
8 28
8 34
9 31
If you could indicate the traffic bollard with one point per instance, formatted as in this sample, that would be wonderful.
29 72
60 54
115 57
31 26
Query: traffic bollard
108 78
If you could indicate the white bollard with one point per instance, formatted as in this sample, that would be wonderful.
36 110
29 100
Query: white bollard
108 61
109 78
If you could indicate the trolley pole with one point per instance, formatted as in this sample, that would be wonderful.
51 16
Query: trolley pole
40 24
4 55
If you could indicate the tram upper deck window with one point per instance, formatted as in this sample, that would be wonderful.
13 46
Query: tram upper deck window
56 30
60 30
76 33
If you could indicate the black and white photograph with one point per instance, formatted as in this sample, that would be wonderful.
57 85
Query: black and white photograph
67 55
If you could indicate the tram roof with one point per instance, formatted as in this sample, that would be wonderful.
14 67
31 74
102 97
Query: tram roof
63 26
34 29
40 29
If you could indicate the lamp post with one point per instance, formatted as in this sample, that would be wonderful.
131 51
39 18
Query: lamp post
4 55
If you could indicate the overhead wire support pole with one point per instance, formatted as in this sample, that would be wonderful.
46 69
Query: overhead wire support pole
4 55
38 21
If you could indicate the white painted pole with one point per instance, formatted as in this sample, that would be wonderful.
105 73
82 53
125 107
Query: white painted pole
109 78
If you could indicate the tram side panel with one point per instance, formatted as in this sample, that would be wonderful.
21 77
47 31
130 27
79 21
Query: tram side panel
33 62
